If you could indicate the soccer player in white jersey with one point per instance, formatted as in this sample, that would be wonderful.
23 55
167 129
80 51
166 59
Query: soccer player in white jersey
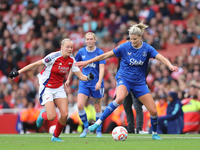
94 88
131 75
51 89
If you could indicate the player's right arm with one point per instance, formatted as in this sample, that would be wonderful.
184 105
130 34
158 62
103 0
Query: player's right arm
82 64
26 68
31 66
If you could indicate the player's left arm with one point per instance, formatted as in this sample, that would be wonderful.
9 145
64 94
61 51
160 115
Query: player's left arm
101 75
166 62
81 76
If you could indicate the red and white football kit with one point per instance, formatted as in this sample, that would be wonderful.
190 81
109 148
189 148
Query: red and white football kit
52 76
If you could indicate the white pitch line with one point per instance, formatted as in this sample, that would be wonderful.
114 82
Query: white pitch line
89 136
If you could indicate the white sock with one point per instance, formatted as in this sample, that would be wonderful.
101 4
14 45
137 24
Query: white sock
98 122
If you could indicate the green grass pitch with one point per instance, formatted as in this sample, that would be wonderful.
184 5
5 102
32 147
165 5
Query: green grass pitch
41 141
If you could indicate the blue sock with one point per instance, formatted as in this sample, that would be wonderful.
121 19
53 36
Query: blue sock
154 123
109 109
97 117
83 116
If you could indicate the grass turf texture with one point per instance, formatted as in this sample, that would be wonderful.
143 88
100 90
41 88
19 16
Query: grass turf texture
91 142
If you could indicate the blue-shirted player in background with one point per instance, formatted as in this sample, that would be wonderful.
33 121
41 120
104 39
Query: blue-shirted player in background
93 88
131 75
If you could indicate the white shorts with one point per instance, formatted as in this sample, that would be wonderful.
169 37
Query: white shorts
49 94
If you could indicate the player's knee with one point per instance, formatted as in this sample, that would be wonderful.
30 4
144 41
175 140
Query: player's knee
119 100
64 115
80 107
153 113
51 117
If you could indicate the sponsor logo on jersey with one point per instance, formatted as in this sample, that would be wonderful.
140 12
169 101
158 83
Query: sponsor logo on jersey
129 53
60 63
116 47
144 54
69 63
135 62
49 84
47 98
83 56
48 59
92 65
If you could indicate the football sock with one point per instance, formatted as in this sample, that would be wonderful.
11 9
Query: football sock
97 117
58 129
44 115
154 123
83 116
109 109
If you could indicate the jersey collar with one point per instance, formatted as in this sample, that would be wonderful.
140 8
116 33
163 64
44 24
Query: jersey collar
137 48
90 51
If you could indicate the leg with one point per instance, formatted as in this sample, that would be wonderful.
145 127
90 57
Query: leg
121 94
127 103
50 114
97 107
82 114
149 103
62 105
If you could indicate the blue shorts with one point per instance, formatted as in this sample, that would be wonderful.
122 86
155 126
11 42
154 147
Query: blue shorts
90 91
138 90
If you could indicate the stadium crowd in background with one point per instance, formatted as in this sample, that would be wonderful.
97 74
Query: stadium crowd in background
30 30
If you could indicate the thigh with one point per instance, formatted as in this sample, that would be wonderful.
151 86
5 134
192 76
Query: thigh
50 108
121 93
62 104
149 103
81 99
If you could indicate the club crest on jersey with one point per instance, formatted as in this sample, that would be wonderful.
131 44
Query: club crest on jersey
117 47
48 59
144 54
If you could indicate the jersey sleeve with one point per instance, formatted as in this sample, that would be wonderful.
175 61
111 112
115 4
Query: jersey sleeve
152 52
118 51
47 60
78 56
74 68
102 61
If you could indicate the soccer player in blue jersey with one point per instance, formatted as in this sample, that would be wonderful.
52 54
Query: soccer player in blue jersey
93 88
131 75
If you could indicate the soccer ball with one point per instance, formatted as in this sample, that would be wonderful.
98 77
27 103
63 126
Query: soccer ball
52 128
119 133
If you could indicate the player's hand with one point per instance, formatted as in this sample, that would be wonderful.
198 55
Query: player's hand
98 86
81 64
174 68
13 74
67 83
90 77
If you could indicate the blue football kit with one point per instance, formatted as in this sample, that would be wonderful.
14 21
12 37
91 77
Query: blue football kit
88 87
134 62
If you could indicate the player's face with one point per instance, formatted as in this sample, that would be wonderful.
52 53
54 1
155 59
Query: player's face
135 40
90 40
67 49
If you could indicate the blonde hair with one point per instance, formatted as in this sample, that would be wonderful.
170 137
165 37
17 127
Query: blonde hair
64 40
137 29
91 33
